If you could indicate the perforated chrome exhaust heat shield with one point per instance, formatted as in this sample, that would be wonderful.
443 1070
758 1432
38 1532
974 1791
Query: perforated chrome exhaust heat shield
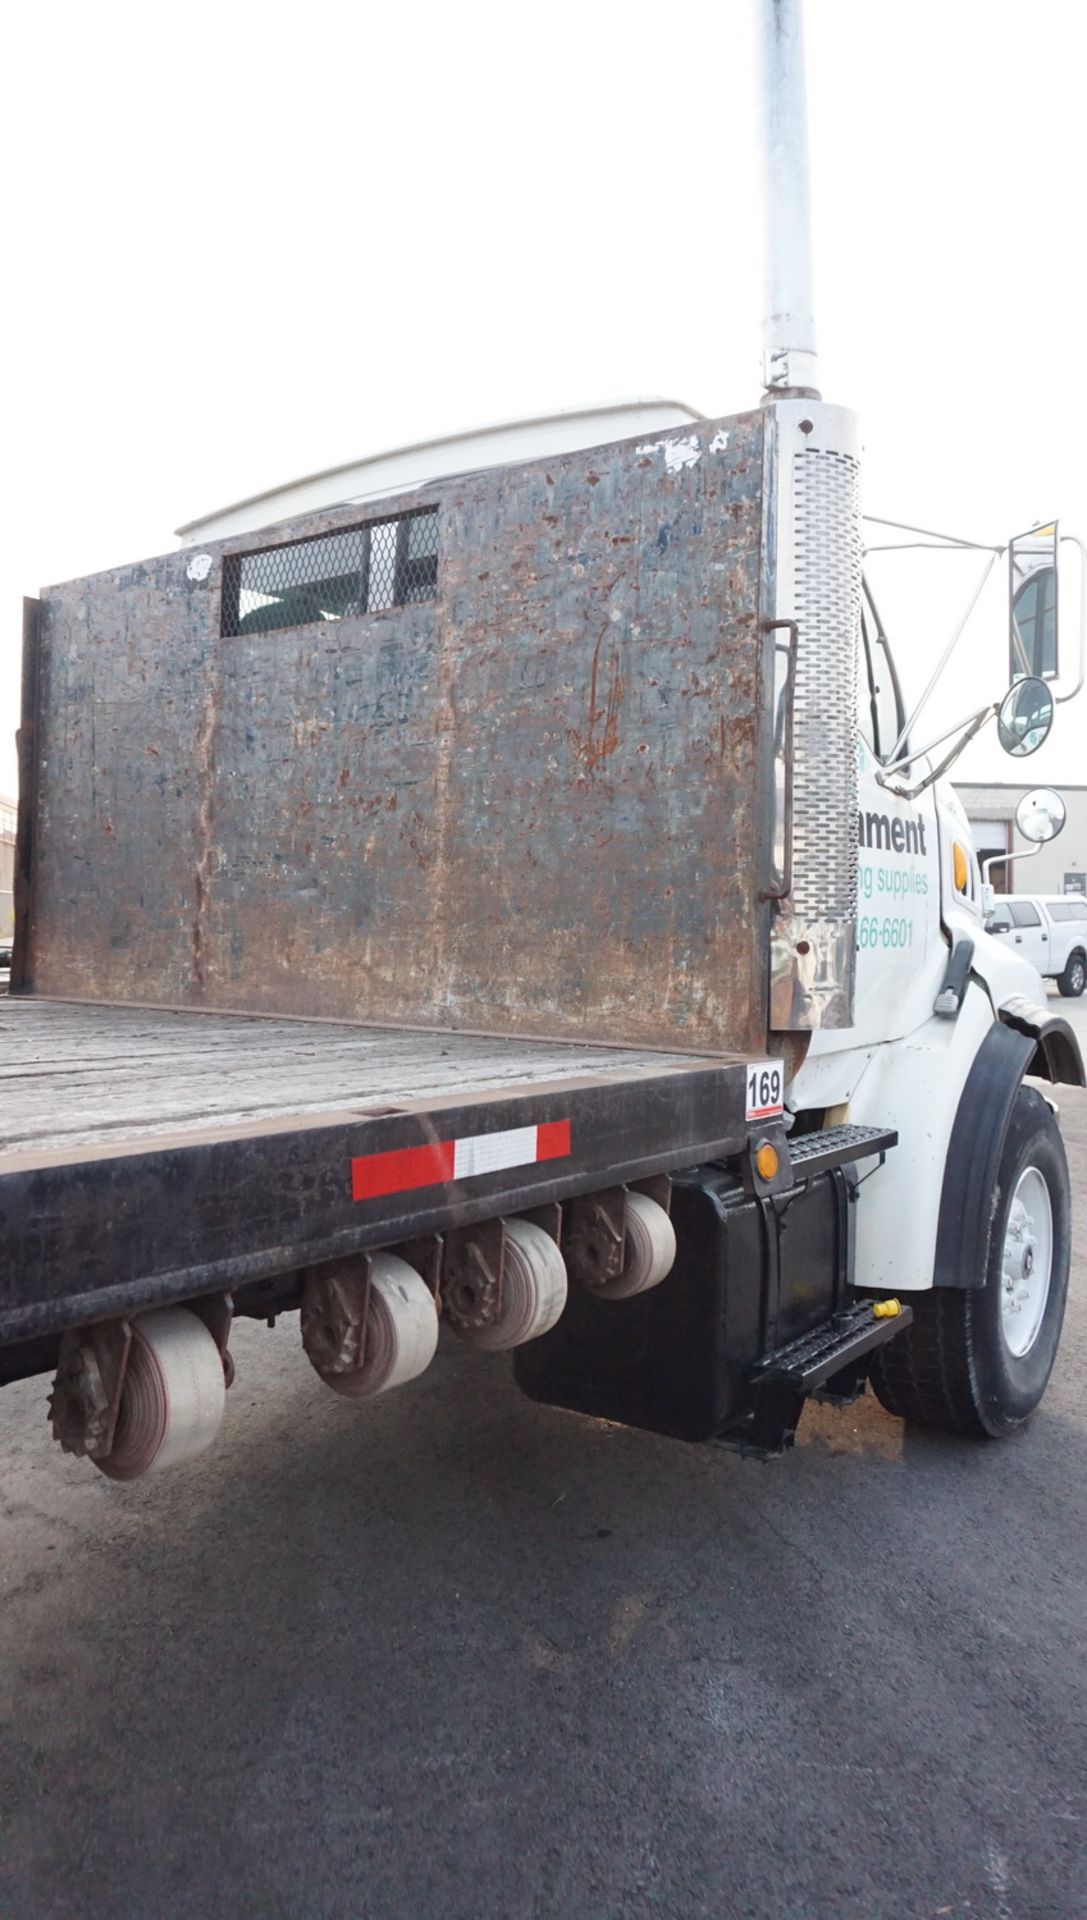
813 579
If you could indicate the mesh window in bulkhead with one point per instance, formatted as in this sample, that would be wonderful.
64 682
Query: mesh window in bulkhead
328 576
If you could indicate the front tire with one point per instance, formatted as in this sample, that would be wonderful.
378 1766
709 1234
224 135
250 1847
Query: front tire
1074 978
977 1360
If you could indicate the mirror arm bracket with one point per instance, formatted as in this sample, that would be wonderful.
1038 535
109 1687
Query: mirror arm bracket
937 671
964 729
1012 854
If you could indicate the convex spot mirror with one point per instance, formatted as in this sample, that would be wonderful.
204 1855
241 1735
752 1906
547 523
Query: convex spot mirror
1040 815
1032 594
1025 717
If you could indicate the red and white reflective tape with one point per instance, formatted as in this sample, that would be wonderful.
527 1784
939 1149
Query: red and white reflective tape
374 1175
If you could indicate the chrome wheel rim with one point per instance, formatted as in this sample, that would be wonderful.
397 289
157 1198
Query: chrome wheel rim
1027 1263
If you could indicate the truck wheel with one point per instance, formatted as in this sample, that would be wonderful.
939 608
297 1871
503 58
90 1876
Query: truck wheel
976 1360
1074 978
401 1331
650 1251
533 1291
172 1398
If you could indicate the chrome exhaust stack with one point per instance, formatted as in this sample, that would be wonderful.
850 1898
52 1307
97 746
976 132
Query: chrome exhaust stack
812 571
788 327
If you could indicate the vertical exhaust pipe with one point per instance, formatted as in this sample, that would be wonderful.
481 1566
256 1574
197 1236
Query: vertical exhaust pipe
788 328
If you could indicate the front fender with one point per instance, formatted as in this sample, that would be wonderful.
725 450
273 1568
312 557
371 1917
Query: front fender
1056 1053
973 1155
914 1085
1017 992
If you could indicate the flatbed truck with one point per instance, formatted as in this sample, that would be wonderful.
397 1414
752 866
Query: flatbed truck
521 901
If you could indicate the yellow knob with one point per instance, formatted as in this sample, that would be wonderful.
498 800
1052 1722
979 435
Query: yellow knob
886 1309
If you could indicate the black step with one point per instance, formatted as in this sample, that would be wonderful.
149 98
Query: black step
811 1360
832 1147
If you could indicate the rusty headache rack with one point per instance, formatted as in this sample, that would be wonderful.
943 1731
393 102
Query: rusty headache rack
451 760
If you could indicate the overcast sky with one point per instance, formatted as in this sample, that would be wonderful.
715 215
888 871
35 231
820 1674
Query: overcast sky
246 242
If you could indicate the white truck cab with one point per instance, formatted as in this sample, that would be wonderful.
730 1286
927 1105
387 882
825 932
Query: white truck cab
1048 930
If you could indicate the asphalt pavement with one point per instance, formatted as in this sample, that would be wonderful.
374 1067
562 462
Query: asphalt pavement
453 1654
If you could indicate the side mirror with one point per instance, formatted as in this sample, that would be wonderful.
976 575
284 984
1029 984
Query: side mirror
1032 596
1040 815
1025 717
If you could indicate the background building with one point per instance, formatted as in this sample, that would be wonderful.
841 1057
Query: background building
1060 867
7 872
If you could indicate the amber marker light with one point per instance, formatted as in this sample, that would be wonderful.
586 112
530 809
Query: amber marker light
766 1161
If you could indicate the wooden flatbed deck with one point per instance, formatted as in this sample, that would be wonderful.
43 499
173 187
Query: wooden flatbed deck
149 1156
77 1076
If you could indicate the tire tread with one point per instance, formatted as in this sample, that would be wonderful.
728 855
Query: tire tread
925 1375
943 1370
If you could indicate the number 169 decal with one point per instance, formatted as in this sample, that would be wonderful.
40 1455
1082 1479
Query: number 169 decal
765 1089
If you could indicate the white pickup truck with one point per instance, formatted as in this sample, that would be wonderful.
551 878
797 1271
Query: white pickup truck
1049 930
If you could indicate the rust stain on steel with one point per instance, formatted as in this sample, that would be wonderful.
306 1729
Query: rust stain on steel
599 741
204 765
535 805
